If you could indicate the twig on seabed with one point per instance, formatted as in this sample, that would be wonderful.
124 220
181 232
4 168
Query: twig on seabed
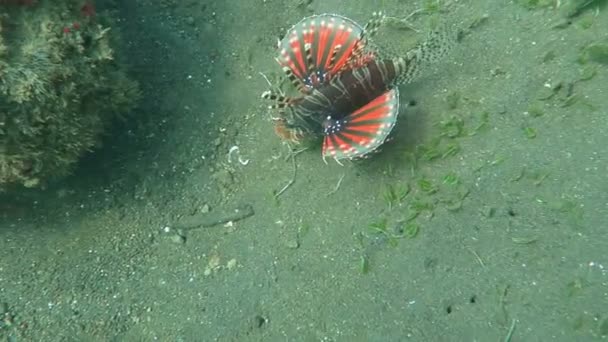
278 88
266 78
291 155
476 256
404 21
217 216
337 186
510 333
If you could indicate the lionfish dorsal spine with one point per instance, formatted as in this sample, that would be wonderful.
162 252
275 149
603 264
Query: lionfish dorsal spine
296 82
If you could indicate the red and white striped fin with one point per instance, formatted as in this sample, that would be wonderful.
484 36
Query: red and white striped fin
318 47
364 130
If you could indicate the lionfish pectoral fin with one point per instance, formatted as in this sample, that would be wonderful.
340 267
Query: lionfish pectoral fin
315 49
363 51
364 130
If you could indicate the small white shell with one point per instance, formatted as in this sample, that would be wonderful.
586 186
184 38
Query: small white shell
236 149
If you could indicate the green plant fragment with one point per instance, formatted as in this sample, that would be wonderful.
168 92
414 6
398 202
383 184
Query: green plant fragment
411 229
530 132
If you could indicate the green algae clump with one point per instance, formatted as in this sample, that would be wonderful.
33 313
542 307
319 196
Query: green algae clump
60 88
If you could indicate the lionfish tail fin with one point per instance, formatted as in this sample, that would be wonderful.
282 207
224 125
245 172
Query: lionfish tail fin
434 49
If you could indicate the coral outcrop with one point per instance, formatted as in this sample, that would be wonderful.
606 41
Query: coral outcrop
60 87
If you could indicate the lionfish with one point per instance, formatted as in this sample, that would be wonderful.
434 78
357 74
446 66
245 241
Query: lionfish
348 91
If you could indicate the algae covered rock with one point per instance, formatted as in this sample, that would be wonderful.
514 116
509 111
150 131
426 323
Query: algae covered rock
60 87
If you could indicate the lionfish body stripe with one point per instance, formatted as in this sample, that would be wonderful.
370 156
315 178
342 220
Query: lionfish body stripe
345 93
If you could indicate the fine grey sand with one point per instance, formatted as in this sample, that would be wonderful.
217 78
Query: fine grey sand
482 220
